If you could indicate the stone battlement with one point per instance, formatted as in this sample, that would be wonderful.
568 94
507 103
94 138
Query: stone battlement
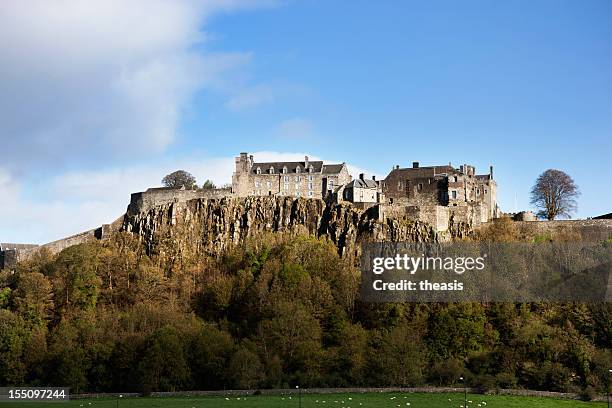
153 197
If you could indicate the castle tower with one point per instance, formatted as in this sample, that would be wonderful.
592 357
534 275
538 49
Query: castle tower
240 178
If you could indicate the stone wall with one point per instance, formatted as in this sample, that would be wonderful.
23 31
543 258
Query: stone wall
586 230
145 201
348 390
11 253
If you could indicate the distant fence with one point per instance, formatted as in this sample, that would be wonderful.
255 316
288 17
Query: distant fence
286 391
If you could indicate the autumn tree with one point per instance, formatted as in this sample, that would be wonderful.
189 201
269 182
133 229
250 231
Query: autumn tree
34 297
554 194
178 179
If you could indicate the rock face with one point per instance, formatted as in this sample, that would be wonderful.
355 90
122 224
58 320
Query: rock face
214 225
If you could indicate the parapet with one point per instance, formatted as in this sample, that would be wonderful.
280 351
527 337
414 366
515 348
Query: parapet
144 201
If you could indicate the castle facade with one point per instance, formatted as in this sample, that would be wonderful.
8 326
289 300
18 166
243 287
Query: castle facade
308 179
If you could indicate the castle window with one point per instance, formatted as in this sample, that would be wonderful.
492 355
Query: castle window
257 183
298 169
420 186
310 178
310 186
271 170
298 194
331 184
285 170
310 169
269 184
485 191
399 185
455 179
310 194
286 179
258 170
286 186
477 191
454 194
298 178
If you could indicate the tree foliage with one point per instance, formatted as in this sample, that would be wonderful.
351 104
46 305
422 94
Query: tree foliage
208 184
180 179
272 312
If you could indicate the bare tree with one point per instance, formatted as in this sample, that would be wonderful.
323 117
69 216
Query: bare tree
178 179
554 193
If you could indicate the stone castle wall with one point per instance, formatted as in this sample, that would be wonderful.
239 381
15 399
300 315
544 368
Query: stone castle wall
586 230
153 197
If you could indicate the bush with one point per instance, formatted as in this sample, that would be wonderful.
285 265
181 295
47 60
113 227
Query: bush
446 372
588 394
506 380
485 383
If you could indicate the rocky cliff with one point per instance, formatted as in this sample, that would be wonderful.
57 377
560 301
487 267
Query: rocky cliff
213 225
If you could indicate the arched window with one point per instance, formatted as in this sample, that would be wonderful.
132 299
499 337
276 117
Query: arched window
285 170
271 170
298 169
259 170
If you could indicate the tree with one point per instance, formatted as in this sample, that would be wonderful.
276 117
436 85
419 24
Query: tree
178 179
33 297
208 184
554 193
75 279
163 366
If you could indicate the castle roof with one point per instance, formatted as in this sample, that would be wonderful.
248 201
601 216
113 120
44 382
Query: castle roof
317 167
365 183
424 171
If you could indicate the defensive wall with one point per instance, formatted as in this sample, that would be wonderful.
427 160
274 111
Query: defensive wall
586 230
144 201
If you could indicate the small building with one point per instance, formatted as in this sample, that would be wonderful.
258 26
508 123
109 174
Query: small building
362 190
525 216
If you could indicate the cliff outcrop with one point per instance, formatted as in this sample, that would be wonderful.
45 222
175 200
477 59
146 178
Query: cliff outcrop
217 224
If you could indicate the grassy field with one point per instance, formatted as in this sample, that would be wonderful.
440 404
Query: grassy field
370 400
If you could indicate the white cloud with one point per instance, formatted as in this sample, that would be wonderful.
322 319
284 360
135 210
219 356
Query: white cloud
76 201
101 78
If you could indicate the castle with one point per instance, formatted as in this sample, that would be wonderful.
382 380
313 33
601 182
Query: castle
440 196
433 194
443 197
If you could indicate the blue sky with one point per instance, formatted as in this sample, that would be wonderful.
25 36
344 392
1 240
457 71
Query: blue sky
520 85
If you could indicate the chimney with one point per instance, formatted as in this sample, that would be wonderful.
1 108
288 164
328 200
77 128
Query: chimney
415 165
361 176
491 172
373 177
397 167
306 161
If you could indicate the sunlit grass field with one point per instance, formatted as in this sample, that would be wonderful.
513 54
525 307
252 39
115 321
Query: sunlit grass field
355 400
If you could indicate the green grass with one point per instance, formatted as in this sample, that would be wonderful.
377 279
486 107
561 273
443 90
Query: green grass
369 400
